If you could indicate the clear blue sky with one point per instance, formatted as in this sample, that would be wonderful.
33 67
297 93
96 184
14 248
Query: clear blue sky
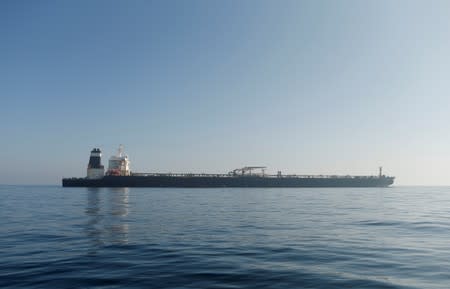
322 87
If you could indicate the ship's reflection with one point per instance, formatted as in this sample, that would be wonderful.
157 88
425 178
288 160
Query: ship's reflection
106 210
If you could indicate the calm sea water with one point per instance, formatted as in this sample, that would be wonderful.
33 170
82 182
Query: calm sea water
53 237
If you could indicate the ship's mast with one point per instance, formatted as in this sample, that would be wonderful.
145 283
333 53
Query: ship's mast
120 151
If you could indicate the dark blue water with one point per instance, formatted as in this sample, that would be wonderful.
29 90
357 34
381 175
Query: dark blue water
53 237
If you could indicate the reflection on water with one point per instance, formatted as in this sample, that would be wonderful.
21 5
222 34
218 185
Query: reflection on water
107 210
115 225
93 212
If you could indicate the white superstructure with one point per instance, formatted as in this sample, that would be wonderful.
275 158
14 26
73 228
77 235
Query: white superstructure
119 165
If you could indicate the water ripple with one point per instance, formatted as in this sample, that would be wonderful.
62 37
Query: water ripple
224 238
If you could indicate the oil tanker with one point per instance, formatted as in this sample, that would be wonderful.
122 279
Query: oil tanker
119 174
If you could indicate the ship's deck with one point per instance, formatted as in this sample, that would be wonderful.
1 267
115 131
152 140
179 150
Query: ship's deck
190 175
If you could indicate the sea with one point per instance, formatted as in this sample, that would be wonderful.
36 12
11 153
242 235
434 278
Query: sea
54 237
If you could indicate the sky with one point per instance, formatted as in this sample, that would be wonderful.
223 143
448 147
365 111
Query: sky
307 87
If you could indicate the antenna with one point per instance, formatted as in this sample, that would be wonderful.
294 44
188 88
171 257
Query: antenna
120 151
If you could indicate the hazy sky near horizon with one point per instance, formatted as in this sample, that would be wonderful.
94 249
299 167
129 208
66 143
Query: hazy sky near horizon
320 87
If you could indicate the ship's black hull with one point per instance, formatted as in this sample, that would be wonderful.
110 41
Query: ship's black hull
232 182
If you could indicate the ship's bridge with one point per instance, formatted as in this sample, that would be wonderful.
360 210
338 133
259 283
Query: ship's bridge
119 165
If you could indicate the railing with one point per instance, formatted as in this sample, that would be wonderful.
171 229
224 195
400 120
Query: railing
253 175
